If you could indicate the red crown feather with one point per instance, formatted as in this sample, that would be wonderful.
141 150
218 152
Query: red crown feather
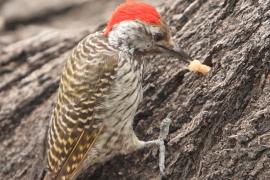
132 10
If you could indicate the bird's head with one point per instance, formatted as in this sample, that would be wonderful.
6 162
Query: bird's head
137 27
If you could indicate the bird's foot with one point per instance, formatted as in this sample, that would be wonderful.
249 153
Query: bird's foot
164 131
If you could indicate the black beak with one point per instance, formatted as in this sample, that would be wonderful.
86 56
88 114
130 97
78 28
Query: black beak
177 52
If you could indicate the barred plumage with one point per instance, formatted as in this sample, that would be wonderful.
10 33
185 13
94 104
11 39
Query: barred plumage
97 91
100 90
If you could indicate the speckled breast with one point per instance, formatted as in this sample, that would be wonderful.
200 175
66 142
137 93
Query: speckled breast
121 105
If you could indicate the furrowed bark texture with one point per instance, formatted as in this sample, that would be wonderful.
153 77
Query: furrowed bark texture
220 122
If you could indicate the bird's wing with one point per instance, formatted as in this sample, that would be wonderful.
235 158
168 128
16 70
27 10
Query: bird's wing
74 126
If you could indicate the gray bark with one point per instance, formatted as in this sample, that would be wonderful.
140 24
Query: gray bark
220 122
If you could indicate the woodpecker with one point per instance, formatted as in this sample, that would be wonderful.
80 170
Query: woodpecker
100 90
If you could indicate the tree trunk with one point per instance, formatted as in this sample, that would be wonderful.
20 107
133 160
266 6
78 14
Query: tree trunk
220 122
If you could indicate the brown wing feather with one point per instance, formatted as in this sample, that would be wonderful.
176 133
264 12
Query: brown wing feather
77 155
74 128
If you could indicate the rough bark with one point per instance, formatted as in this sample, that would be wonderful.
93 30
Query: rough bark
221 122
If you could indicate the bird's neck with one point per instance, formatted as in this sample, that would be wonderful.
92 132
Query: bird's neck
133 57
135 60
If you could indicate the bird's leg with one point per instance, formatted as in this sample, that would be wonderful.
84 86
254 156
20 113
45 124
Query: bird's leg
164 131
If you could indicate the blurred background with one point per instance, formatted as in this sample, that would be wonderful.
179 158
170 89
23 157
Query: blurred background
20 19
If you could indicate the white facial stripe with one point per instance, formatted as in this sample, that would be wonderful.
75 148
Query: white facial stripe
129 36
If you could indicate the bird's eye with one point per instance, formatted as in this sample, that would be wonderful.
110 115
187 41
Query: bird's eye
158 37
